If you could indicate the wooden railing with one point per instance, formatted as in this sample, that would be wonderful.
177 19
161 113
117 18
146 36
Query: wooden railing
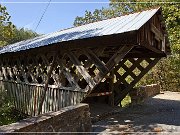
26 97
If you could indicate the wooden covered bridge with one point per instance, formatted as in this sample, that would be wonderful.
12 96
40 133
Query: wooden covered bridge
97 62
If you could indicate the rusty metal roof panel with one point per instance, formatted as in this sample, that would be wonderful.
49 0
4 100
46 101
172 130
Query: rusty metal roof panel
116 25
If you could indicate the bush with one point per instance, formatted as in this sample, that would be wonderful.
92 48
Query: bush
8 114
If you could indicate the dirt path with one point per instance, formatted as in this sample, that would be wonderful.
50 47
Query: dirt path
159 114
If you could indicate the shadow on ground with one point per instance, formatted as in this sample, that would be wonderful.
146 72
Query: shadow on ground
158 114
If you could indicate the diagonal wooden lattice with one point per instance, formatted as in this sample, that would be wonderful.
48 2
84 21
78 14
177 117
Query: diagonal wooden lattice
128 73
104 68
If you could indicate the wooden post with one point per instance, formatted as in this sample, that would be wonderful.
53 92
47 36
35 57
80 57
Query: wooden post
111 88
46 84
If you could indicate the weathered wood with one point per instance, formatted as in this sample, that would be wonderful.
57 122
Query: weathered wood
157 32
151 48
46 84
115 59
111 88
101 66
132 84
69 77
82 70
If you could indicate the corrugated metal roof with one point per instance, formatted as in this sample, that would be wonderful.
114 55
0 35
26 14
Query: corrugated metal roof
116 25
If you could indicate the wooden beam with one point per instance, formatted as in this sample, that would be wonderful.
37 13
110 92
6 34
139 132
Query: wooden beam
151 48
132 84
81 70
158 33
145 55
111 88
115 59
99 64
46 84
68 75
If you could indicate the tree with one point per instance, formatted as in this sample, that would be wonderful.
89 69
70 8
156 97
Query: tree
9 33
22 34
166 72
6 27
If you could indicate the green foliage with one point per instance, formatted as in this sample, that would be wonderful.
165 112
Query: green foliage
6 27
8 32
22 34
167 71
126 101
8 114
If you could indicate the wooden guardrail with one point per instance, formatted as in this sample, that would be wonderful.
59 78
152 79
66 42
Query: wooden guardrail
26 97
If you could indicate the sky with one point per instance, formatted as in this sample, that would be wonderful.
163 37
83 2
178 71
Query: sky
27 13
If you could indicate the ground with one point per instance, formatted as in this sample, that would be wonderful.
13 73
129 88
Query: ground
158 114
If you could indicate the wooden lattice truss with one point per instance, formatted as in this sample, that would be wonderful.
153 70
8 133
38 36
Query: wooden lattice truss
84 69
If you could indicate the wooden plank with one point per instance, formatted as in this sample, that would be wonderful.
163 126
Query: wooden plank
18 97
62 99
23 98
53 100
13 93
82 70
31 98
48 95
157 32
111 88
92 56
68 76
27 98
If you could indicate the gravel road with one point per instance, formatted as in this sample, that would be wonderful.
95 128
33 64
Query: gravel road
157 115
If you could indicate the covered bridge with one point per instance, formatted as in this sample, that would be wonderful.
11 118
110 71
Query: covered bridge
97 62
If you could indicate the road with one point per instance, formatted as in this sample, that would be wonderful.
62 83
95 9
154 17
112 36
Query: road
157 115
